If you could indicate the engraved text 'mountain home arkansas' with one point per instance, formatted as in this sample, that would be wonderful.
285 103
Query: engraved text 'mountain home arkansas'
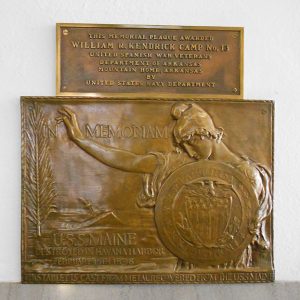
153 191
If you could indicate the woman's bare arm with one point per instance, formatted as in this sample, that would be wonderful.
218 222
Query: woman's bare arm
113 157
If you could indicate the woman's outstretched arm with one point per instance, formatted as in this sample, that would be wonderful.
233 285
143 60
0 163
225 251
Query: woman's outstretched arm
113 157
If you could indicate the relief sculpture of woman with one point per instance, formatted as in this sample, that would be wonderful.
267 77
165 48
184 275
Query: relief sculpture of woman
196 134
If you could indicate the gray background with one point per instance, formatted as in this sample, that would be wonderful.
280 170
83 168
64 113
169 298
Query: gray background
276 291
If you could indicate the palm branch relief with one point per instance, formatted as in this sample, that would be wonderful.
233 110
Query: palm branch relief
39 179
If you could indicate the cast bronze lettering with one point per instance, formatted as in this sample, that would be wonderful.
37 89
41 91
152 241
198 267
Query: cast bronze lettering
181 61
119 190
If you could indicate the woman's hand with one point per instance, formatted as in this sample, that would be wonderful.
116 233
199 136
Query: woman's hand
70 121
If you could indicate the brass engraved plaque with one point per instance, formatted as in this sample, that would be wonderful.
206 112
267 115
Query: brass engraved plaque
181 61
119 190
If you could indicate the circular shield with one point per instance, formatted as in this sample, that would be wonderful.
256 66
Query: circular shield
204 211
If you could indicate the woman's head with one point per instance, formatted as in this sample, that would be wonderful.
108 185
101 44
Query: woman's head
194 130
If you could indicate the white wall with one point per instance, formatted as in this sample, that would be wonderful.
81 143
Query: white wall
272 71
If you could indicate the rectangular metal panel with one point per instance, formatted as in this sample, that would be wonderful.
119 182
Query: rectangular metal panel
136 59
118 190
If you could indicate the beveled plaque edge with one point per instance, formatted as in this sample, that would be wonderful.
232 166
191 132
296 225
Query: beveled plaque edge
59 92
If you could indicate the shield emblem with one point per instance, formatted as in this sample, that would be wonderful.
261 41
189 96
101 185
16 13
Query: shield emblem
207 212
203 212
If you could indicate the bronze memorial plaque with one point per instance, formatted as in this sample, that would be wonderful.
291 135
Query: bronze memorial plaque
113 60
146 191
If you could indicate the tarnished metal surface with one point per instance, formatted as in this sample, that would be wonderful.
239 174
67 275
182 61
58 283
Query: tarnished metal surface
125 190
178 60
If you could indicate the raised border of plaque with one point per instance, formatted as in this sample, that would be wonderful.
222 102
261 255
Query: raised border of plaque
217 73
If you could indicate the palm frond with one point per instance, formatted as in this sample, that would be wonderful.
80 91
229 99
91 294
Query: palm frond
39 183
